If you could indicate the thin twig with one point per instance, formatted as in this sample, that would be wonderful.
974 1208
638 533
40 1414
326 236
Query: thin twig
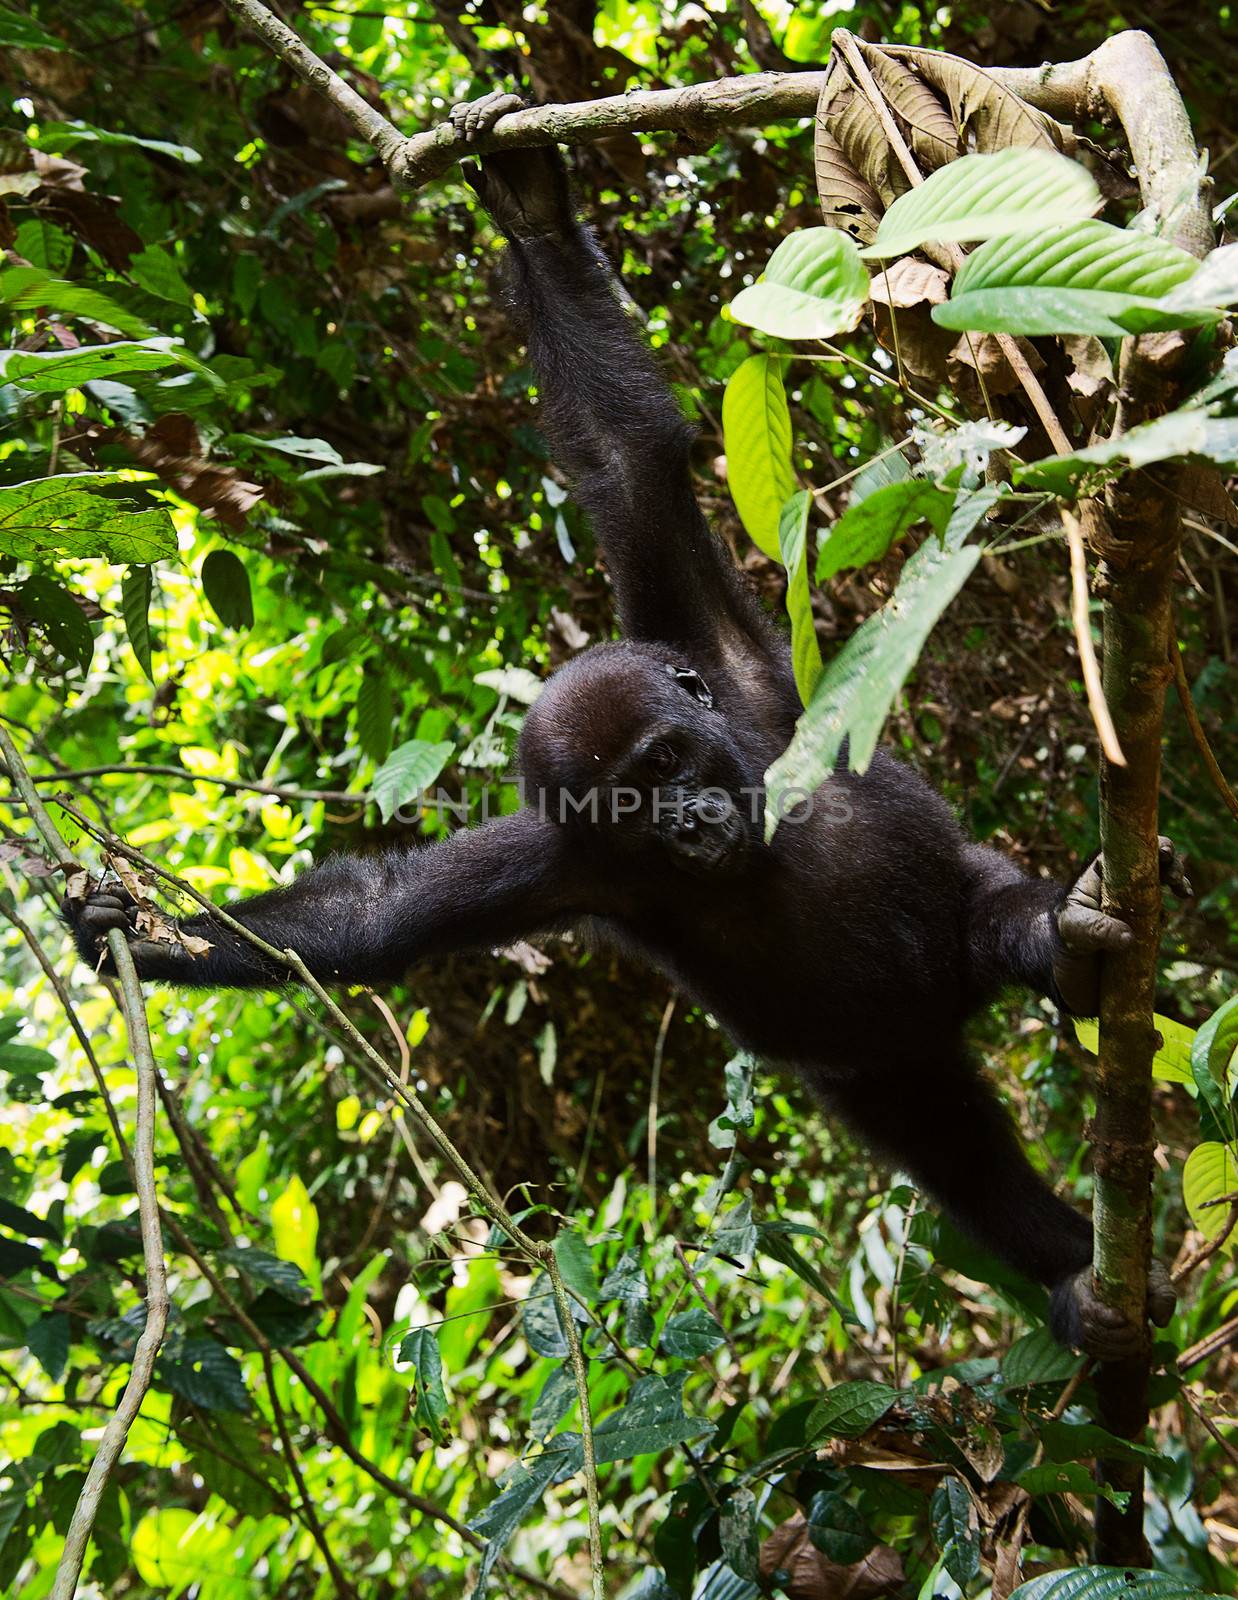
1097 703
158 770
1210 1345
385 138
309 1511
1208 1423
580 1375
1210 1246
1211 765
651 1121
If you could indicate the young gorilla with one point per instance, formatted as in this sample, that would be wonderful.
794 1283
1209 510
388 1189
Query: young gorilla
852 948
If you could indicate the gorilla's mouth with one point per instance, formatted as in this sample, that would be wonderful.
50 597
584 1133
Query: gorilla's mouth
706 843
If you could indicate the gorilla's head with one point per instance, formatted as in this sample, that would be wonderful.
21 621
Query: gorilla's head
626 740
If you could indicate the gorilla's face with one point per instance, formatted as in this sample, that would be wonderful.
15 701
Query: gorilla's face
629 742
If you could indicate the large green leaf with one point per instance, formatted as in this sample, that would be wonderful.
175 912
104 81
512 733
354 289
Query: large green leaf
522 1487
1182 433
858 687
849 1410
225 583
63 620
33 286
1108 1583
135 594
51 371
985 196
1172 1061
756 427
793 544
814 287
421 1348
689 1334
1089 277
866 531
1209 1173
57 136
68 515
410 768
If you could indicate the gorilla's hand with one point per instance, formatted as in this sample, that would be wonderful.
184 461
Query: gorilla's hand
1087 932
525 191
1079 1318
93 917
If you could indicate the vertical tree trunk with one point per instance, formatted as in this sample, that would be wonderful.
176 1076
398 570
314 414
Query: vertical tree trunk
1137 626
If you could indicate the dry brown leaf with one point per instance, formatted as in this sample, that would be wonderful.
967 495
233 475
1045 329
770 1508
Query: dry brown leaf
988 116
980 352
910 283
923 119
812 1577
847 202
856 129
1091 369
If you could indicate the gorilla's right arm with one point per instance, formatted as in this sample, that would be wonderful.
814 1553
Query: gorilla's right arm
365 919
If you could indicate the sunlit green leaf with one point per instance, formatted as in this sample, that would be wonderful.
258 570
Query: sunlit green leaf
68 514
814 287
756 426
985 196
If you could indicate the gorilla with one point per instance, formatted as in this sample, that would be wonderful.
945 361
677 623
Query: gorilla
851 948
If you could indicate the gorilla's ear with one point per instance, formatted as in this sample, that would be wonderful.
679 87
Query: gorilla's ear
688 678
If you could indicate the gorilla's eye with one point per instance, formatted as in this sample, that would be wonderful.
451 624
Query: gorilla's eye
661 759
691 680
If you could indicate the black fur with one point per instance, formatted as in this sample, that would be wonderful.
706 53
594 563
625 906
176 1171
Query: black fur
852 949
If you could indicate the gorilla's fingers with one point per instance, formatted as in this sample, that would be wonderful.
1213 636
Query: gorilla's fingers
1173 869
473 119
1084 929
1162 1296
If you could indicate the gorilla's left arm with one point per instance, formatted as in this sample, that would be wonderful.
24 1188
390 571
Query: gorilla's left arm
366 919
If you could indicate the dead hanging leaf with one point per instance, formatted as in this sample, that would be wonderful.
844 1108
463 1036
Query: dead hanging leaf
171 449
845 112
903 296
25 857
980 353
1203 489
978 1437
1091 370
811 1577
847 202
922 118
987 115
93 218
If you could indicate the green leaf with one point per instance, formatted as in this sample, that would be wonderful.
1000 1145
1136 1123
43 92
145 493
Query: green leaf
858 687
1215 284
421 1348
575 1261
1038 1358
35 287
1209 1173
553 1404
57 136
1069 1477
47 1339
18 1220
63 620
1214 1055
1190 432
866 531
523 1486
52 371
176 1549
1079 1441
203 1372
1108 1583
409 770
294 1228
540 1320
838 1530
225 583
67 515
849 1410
23 33
285 1277
814 287
956 1527
774 1239
653 1420
793 546
756 427
1172 1061
737 1533
135 593
156 270
689 1334
375 714
985 196
1086 278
